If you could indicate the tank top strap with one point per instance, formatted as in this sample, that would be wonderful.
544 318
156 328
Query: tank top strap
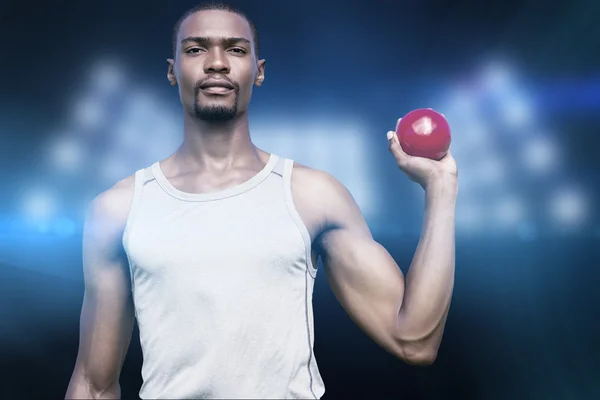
146 175
280 166
140 178
288 167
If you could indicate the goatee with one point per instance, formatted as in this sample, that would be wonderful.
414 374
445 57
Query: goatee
213 112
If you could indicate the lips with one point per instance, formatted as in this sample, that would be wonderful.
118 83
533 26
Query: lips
217 90
216 83
216 87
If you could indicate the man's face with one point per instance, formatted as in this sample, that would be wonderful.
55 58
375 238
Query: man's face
215 65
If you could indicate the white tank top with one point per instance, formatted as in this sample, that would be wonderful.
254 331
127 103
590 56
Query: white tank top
222 284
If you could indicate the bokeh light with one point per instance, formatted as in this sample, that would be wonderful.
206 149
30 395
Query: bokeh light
540 154
67 153
569 207
39 205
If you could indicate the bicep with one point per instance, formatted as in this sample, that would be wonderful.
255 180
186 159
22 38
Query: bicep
362 274
107 313
367 282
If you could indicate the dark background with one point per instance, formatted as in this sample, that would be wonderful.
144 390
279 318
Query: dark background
84 101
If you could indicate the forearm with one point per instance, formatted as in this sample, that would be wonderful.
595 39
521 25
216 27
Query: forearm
430 279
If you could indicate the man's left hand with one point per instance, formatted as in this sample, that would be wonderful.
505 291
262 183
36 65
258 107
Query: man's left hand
420 169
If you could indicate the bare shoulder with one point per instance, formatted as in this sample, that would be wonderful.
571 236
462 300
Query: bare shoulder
103 233
323 196
111 207
311 179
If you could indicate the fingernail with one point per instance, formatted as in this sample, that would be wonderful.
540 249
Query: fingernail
390 135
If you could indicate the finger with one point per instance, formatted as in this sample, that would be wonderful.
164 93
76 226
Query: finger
392 138
396 149
395 143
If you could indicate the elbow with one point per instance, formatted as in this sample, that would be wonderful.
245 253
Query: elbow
422 357
418 352
82 386
418 346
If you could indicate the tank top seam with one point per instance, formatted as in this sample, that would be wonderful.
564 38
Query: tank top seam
288 197
293 212
136 200
207 200
244 187
308 336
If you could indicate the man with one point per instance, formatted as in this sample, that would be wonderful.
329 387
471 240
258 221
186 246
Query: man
214 249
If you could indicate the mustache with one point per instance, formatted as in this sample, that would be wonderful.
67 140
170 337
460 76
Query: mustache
199 84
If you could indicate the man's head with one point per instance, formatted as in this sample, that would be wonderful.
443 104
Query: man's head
215 62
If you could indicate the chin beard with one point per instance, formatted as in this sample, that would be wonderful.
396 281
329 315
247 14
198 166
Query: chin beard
215 113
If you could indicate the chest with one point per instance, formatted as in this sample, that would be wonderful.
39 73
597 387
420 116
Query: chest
206 242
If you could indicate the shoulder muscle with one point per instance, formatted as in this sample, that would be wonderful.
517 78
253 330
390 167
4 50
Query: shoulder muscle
324 196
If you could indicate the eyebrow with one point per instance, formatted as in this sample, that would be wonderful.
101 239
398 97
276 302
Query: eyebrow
204 40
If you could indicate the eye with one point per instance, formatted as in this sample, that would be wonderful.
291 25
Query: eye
238 50
193 50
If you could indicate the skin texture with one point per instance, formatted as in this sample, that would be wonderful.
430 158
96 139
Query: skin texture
404 315
107 314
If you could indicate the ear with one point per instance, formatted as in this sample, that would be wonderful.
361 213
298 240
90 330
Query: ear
171 72
260 76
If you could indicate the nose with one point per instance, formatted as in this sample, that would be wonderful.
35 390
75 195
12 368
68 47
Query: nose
216 61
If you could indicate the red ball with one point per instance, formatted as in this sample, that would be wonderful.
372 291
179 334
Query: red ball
424 133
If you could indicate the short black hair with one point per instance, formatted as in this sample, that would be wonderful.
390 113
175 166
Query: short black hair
210 6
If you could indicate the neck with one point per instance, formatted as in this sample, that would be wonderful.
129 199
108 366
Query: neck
216 145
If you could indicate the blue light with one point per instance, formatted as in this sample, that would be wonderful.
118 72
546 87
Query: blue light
64 227
527 231
42 227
